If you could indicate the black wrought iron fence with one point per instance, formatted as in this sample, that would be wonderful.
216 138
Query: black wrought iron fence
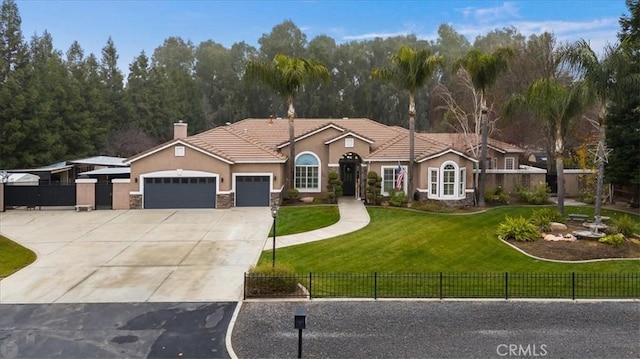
445 285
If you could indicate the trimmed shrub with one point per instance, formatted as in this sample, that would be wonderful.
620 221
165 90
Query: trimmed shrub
519 229
542 218
374 185
624 225
612 239
496 195
397 198
334 186
266 280
539 194
293 194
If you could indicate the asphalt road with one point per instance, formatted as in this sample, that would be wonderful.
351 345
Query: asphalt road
119 330
433 329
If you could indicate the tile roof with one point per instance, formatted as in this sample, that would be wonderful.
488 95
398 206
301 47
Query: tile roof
236 145
458 141
398 148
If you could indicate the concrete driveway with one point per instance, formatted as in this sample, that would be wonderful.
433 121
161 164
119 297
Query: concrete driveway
134 256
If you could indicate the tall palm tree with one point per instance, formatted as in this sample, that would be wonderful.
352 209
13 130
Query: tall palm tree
484 69
286 76
606 79
411 69
556 107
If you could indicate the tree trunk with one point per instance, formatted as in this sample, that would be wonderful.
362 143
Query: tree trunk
483 151
291 113
559 150
412 127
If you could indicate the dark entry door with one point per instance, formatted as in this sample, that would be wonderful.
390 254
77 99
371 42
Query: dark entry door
348 178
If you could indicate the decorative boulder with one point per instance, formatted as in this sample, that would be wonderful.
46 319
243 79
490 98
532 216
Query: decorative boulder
306 199
555 226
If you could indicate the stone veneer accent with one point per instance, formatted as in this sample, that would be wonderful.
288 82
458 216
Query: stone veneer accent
224 200
276 198
135 200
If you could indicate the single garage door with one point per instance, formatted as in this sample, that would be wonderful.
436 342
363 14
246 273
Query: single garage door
252 191
179 192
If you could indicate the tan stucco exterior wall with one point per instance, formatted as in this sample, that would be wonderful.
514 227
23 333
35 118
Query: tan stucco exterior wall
120 195
275 169
192 160
423 169
337 149
86 192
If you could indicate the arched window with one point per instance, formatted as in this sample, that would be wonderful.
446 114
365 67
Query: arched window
307 172
447 182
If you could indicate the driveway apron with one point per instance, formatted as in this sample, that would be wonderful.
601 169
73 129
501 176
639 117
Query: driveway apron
135 255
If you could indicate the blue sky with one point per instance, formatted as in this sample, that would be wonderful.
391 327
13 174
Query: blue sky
144 24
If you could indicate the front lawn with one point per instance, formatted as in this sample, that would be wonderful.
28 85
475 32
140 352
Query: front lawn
298 219
13 257
405 241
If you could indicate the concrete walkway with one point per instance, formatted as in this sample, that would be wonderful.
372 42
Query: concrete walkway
353 216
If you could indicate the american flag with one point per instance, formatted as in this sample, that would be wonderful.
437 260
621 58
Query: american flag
400 172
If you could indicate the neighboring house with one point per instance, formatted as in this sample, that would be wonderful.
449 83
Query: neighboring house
246 163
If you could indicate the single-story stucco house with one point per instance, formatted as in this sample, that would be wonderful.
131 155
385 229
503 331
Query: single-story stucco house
246 163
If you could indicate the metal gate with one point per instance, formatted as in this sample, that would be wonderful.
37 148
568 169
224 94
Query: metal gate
104 195
40 195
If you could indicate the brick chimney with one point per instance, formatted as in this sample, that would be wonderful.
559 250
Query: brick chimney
179 130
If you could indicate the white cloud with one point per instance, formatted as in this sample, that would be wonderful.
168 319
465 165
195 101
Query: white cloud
488 14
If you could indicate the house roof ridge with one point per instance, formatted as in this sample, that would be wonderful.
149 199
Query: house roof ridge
252 140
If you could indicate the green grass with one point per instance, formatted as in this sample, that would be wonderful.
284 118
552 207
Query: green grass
404 241
298 219
13 257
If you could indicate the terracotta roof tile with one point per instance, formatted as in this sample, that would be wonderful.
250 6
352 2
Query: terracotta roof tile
236 145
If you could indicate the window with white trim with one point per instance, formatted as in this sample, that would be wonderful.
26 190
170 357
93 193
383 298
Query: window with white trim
307 173
433 182
447 182
509 163
390 179
462 182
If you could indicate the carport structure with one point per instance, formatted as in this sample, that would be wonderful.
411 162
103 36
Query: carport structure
134 256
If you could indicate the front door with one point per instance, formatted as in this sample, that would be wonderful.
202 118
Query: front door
348 178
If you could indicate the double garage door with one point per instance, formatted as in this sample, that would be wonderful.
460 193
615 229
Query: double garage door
180 192
200 192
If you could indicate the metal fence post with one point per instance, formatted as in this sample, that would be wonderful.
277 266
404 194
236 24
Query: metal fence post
310 286
440 285
244 292
375 285
573 285
506 285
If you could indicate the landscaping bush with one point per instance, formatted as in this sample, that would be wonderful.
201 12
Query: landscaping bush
539 195
334 186
397 198
432 206
374 184
586 196
542 218
496 195
519 229
624 225
271 281
612 239
293 194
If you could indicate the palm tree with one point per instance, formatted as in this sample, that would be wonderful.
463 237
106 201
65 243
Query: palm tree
556 107
484 68
411 69
286 76
606 78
